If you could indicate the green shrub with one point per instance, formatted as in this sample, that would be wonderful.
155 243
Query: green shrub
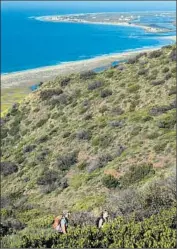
49 92
101 141
82 166
8 168
159 147
105 93
65 161
137 173
167 121
41 122
158 231
165 70
110 181
94 85
48 177
64 82
87 75
133 88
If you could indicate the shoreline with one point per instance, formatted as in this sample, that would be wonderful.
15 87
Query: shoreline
15 86
30 77
123 24
74 18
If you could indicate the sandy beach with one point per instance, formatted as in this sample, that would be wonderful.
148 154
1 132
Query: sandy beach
30 77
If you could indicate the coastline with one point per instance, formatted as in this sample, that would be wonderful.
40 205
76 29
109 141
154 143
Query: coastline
30 77
123 24
120 20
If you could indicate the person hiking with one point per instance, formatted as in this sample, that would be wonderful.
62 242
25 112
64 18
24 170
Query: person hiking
60 223
102 219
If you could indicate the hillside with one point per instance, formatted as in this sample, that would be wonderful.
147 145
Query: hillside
91 141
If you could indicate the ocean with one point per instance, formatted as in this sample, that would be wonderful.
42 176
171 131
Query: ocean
27 43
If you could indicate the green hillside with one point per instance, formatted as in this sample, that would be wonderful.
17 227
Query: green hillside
91 141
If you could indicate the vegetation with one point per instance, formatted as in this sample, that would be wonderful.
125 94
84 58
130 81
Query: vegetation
91 141
158 231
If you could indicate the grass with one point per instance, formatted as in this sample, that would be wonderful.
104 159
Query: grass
12 95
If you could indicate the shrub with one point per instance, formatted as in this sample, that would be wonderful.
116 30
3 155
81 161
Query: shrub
160 146
65 81
117 111
109 73
121 67
4 133
137 173
157 82
103 109
155 54
124 202
173 105
143 62
66 134
160 110
42 155
167 122
14 109
132 60
41 122
61 99
98 162
95 85
173 70
121 233
105 93
29 148
168 76
82 166
48 188
172 91
48 93
82 219
110 181
65 161
165 70
101 141
120 150
153 135
42 139
8 168
115 123
161 193
10 225
19 157
87 75
133 88
172 55
5 201
88 116
136 130
14 130
86 103
83 135
143 71
47 178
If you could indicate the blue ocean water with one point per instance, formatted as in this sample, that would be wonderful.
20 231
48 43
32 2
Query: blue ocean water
28 43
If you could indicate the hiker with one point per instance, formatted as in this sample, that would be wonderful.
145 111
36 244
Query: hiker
102 219
61 222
